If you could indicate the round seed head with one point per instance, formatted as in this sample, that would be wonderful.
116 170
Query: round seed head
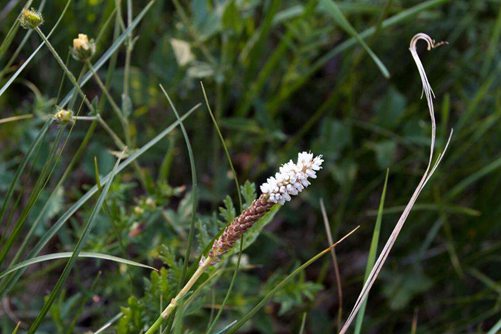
30 18
83 49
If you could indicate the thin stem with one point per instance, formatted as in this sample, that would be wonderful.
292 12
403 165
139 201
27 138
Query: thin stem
85 118
114 106
101 85
174 301
73 80
65 69
112 133
128 51
192 31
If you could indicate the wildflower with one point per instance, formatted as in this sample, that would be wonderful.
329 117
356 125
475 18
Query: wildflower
136 229
138 210
30 18
64 116
83 48
150 202
292 178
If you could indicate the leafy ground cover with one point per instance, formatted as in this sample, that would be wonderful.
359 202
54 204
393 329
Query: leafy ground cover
106 210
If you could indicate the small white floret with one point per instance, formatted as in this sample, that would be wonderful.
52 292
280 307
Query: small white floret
292 178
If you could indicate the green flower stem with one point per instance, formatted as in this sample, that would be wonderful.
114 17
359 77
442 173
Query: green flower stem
114 106
110 131
65 69
174 301
101 121
73 80
85 118
123 120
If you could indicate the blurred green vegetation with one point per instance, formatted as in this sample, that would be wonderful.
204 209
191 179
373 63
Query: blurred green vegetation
281 77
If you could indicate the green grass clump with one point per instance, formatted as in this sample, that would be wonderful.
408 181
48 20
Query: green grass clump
148 176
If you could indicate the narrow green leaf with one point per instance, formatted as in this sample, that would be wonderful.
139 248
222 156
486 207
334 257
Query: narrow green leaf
68 213
66 255
372 252
333 10
96 174
282 283
223 143
76 251
482 172
42 179
303 323
496 328
111 50
194 191
109 323
27 61
389 22
226 328
22 167
17 327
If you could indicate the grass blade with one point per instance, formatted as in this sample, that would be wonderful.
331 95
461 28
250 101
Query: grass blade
496 328
41 182
484 171
283 282
91 192
225 147
333 10
398 18
194 191
109 323
372 252
21 68
430 169
66 255
334 262
226 328
22 167
76 251
111 50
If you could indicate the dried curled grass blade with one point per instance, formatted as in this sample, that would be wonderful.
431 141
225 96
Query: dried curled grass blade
430 169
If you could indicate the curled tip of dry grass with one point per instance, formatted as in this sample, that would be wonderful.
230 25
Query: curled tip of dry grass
430 169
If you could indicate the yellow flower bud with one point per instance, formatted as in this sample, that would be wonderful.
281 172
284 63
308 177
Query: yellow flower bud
30 18
150 202
64 116
83 48
138 210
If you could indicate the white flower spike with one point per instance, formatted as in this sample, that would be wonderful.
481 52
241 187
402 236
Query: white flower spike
292 178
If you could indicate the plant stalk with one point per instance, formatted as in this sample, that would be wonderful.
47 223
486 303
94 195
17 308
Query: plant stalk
174 301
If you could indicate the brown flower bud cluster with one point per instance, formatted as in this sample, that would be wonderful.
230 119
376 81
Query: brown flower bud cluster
239 226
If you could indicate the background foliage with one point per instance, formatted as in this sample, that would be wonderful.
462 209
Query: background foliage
281 76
